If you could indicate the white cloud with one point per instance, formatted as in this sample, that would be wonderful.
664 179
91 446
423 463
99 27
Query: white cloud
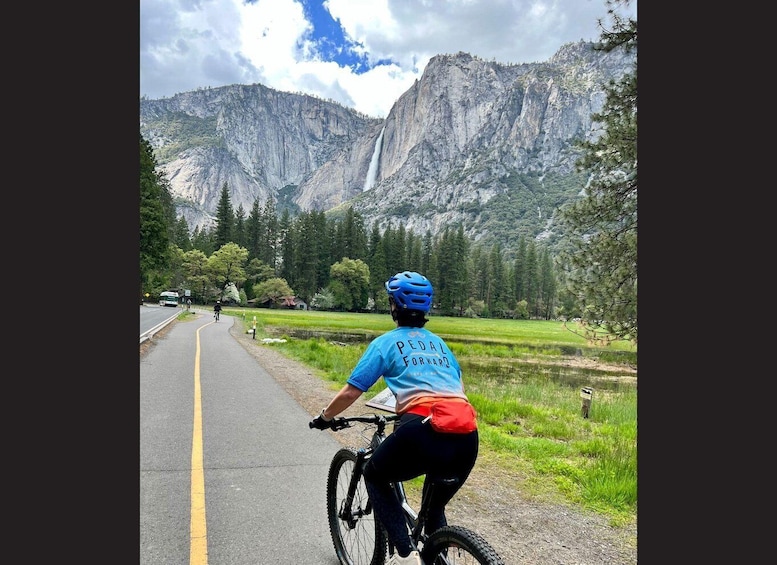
191 44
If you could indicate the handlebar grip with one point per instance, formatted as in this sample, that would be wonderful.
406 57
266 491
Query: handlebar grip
339 424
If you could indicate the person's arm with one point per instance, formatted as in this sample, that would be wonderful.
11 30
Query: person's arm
342 400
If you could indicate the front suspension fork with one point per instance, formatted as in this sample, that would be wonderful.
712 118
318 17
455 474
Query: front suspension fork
346 512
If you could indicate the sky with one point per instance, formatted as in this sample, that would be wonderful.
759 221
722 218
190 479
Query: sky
363 54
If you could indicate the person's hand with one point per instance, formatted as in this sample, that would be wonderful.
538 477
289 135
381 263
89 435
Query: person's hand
320 424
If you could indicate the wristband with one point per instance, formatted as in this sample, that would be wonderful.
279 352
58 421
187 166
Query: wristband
324 418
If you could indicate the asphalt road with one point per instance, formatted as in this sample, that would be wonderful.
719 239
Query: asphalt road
153 318
264 470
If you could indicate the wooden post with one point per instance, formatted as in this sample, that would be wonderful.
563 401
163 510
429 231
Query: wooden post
586 393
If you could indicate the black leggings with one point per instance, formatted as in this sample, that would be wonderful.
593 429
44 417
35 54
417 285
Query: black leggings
412 450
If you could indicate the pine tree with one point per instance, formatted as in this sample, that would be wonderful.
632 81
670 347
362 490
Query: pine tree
155 218
182 238
376 261
601 265
519 268
531 279
307 244
272 234
239 233
287 254
414 252
461 271
202 239
497 279
547 285
225 218
254 232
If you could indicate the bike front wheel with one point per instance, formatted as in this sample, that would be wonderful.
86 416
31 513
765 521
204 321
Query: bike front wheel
358 537
454 545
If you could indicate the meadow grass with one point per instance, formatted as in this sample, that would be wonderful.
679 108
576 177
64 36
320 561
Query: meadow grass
528 404
527 332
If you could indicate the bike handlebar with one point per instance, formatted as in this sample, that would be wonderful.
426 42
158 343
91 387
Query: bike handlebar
345 422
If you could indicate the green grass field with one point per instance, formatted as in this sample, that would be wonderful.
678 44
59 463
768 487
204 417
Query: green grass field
523 380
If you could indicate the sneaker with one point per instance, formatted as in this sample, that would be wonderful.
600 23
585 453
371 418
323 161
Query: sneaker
414 558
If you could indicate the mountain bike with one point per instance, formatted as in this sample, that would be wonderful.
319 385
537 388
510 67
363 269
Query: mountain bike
216 314
359 539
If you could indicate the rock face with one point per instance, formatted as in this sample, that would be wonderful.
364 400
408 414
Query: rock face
466 138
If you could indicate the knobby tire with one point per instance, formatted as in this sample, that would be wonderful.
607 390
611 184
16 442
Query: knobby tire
365 543
455 545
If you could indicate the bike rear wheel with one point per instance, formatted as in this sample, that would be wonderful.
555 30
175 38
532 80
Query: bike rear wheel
454 545
358 537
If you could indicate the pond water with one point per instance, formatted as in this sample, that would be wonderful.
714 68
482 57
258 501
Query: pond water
345 337
514 370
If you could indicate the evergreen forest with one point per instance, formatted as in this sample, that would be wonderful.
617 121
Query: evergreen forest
266 257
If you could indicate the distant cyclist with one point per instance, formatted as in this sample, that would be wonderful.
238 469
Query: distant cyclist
217 309
421 371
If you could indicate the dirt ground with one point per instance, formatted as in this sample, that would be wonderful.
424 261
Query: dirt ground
491 503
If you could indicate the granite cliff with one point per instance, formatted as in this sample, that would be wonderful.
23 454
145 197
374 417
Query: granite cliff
487 144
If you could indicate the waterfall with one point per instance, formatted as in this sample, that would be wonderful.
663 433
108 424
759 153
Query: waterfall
372 172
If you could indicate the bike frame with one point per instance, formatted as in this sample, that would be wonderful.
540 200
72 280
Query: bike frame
415 520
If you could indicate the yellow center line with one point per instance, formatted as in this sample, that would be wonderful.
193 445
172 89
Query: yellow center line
198 543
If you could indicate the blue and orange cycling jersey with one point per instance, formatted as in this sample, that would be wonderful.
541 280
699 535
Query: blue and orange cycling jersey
415 363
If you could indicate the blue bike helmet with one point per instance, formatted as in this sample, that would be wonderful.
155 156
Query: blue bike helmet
410 291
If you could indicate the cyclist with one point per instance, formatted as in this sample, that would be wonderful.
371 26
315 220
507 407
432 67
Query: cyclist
420 369
217 309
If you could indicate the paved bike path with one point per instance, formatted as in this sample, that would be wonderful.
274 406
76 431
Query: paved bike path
265 472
